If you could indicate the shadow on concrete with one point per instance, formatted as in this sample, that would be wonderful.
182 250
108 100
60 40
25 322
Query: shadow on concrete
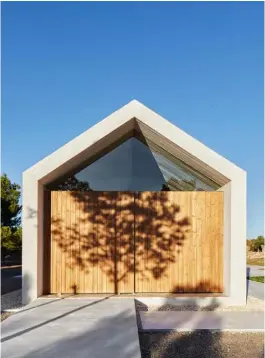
247 288
105 339
50 320
116 336
197 343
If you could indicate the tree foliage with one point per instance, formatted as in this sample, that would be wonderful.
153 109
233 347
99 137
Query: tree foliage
10 208
11 232
73 184
256 244
11 239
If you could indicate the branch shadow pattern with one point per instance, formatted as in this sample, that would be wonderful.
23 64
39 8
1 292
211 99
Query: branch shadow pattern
146 245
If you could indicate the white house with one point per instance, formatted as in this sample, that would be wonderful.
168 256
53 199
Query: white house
134 205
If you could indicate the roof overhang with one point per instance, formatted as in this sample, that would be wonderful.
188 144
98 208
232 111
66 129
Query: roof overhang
134 119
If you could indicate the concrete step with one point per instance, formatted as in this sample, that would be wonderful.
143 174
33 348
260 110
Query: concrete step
192 320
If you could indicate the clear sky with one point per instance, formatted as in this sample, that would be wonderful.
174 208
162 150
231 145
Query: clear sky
65 66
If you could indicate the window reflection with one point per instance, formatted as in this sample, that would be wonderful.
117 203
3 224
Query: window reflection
132 166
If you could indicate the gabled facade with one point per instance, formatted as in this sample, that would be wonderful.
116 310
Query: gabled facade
136 150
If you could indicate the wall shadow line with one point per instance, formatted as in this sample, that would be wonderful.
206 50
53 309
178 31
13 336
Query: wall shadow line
51 320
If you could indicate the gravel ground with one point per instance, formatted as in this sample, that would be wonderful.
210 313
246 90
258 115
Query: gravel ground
201 344
11 300
253 304
198 344
5 315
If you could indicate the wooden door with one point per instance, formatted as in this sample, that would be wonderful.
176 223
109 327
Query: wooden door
179 242
92 242
123 242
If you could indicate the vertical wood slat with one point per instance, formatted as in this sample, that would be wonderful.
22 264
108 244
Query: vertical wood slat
58 251
97 277
81 240
83 229
138 264
53 241
94 246
198 267
199 230
63 216
79 234
88 231
47 243
221 246
71 247
95 287
65 239
123 237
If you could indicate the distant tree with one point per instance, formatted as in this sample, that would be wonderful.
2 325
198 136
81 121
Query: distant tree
11 239
10 208
11 232
257 243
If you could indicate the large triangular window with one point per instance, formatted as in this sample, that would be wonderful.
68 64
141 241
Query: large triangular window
134 166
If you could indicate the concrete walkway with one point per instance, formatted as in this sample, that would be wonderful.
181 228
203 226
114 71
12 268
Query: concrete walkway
192 320
255 270
255 289
74 328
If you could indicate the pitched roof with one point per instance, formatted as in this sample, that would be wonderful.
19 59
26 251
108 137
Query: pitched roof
134 119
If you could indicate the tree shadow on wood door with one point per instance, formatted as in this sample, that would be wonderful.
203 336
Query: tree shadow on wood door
100 229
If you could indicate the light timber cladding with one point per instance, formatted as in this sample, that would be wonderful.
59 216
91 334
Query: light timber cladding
125 242
181 236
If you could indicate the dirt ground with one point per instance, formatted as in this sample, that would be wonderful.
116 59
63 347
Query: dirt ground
255 258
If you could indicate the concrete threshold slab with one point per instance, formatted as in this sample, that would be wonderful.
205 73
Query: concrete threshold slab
192 320
95 328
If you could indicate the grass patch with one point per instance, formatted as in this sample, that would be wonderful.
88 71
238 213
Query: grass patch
257 278
257 262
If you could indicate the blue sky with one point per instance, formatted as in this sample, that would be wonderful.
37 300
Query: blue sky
65 66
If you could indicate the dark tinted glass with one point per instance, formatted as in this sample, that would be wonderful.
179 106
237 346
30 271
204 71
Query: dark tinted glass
132 166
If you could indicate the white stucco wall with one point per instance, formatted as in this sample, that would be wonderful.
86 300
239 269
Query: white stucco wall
226 189
235 240
30 238
238 238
